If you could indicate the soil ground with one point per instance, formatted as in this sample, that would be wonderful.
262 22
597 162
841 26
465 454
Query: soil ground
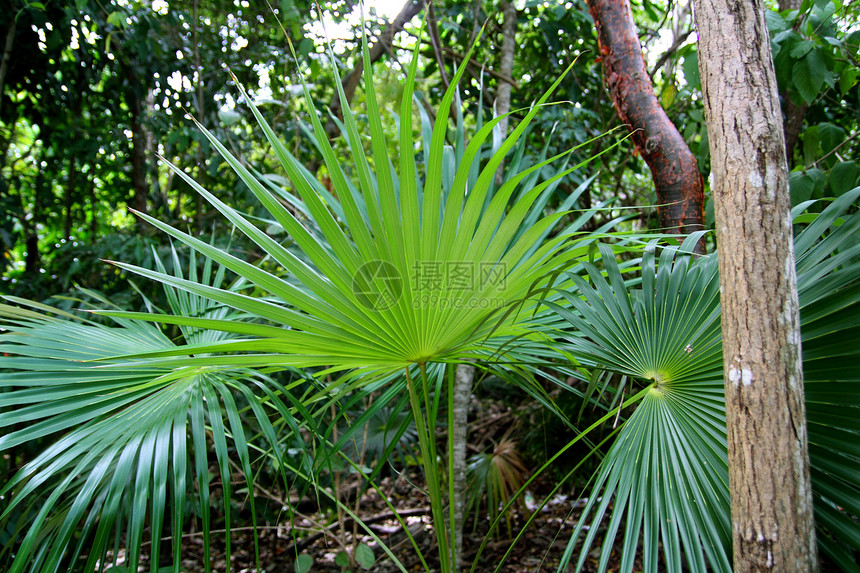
321 536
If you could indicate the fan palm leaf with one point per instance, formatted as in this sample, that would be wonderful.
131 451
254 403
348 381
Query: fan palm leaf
381 291
414 272
665 478
130 432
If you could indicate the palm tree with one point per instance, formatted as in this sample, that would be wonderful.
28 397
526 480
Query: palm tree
373 294
133 430
389 281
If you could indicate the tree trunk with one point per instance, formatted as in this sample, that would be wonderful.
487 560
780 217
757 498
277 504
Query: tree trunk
679 185
462 390
94 204
793 124
201 115
465 375
794 113
70 197
5 142
7 54
33 260
506 68
772 519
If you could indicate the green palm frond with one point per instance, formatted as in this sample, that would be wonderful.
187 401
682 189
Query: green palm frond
133 442
399 269
828 283
664 332
665 478
411 269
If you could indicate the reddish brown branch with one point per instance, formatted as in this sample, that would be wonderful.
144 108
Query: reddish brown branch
679 185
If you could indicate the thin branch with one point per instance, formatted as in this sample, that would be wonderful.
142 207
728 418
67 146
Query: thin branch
834 150
476 27
7 54
474 63
679 41
436 42
383 44
477 64
669 8
201 161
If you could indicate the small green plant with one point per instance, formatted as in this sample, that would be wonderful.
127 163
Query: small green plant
363 558
303 563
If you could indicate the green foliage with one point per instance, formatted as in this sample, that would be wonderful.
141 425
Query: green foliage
811 51
130 427
321 303
664 331
322 275
364 558
816 60
87 93
388 429
303 563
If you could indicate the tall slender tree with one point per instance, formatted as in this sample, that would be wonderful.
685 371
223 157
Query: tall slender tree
465 376
772 521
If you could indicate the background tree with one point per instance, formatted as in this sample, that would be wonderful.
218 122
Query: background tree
91 92
678 183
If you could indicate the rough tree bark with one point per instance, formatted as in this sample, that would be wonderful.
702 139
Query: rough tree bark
772 519
463 381
679 185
